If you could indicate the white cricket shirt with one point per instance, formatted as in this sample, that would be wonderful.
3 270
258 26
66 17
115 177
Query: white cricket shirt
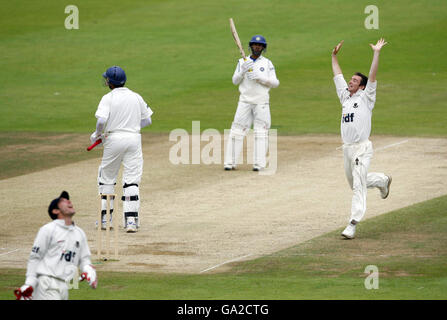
57 252
251 91
124 110
355 125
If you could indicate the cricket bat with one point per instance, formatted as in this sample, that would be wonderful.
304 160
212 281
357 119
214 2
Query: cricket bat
236 38
94 144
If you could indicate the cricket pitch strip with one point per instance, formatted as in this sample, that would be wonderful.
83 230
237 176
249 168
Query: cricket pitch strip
200 218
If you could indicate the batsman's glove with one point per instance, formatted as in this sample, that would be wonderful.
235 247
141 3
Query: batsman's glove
259 78
25 292
95 136
247 65
253 75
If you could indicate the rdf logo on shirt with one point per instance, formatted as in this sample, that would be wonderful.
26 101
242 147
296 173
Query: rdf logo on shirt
347 117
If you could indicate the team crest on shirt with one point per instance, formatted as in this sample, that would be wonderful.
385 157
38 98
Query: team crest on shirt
355 105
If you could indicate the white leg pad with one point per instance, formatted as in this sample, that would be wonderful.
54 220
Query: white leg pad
131 203
260 129
104 209
235 144
106 189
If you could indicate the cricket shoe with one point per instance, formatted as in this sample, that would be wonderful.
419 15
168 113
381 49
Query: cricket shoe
349 232
131 226
104 225
257 168
384 192
229 167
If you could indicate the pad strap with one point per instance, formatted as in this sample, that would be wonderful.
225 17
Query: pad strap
104 212
129 185
105 197
130 198
131 214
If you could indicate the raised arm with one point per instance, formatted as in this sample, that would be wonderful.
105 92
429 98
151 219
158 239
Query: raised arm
375 62
340 83
335 66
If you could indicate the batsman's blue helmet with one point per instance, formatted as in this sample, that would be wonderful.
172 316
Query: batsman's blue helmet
258 39
115 75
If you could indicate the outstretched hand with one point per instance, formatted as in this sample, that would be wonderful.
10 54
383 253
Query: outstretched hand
337 48
379 45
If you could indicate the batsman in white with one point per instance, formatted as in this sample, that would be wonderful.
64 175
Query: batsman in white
357 99
255 77
58 250
121 115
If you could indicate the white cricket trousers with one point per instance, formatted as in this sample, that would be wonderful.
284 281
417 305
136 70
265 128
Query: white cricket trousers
49 288
125 148
357 158
247 115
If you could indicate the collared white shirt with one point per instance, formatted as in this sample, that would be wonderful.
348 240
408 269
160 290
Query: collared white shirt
58 251
251 91
124 110
355 124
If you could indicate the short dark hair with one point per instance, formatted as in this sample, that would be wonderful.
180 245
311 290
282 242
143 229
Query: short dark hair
116 85
364 80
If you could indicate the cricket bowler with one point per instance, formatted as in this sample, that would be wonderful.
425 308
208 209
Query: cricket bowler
357 99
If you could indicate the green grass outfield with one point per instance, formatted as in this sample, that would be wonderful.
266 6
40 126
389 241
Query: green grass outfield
407 246
180 56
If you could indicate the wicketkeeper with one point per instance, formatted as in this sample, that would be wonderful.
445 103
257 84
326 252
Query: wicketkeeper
59 249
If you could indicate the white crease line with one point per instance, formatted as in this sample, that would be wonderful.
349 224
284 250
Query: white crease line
3 254
391 145
382 148
221 264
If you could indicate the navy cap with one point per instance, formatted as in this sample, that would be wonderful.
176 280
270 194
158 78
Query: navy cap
54 204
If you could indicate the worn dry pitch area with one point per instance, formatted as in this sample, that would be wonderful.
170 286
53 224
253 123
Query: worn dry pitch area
198 218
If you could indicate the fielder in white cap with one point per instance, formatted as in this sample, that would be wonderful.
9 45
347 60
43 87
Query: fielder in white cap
60 248
255 77
357 99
